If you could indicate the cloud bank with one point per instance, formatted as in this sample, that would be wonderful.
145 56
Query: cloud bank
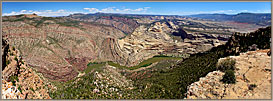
60 12
117 10
63 12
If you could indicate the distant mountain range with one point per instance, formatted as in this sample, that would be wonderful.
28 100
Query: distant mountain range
263 19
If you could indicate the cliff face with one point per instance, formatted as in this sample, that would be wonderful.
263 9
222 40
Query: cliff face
253 79
19 80
158 38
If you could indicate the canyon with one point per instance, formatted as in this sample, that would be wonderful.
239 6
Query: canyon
127 56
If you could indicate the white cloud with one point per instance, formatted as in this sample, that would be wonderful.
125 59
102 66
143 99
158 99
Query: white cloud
108 10
91 9
117 10
63 12
23 10
60 12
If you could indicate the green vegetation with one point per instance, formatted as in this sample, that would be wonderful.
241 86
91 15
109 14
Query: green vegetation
7 62
227 64
90 67
70 23
260 37
229 77
37 22
173 82
19 88
252 86
32 89
11 54
15 58
13 79
22 62
161 56
145 62
90 63
79 90
145 65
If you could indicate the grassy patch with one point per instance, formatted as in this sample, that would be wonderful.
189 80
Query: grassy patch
90 67
90 63
145 63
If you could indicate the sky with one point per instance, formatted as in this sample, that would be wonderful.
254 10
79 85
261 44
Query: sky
158 8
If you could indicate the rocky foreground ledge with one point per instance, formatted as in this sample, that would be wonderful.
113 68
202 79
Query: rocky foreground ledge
253 80
9 91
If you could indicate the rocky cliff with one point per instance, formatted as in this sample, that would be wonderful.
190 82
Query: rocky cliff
158 38
19 80
253 79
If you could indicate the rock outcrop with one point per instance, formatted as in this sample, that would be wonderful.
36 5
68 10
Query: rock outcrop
148 41
9 91
253 80
19 80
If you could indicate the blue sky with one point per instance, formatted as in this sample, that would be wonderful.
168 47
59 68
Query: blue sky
162 8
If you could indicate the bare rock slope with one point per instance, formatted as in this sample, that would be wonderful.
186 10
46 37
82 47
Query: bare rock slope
253 80
19 80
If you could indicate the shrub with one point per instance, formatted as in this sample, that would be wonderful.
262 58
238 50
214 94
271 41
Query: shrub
15 58
13 79
19 88
7 62
252 86
227 64
11 54
32 89
229 77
